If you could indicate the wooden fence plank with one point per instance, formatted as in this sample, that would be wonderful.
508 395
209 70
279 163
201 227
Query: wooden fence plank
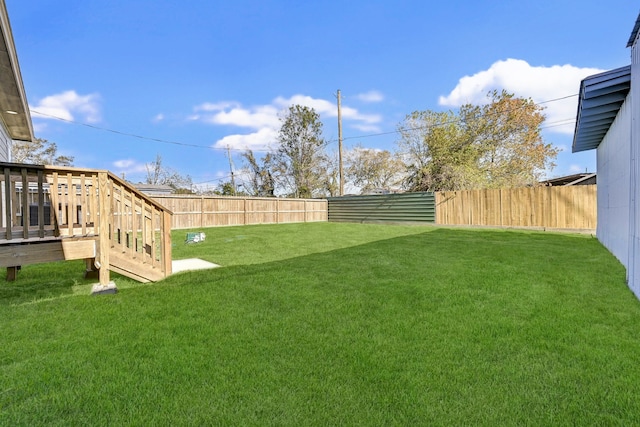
573 207
215 211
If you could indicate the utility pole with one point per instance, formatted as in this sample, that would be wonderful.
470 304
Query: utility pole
340 145
233 180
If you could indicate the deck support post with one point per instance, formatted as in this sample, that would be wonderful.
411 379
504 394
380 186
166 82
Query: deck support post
12 273
104 242
91 272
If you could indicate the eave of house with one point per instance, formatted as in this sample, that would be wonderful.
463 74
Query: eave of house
14 109
634 33
601 97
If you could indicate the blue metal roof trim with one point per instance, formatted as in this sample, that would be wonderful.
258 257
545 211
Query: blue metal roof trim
601 97
634 33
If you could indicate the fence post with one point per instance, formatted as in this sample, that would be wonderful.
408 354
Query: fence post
244 207
201 211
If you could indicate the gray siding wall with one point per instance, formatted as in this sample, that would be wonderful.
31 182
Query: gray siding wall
633 266
613 185
5 145
388 208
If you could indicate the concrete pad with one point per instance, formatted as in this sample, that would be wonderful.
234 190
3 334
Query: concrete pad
109 288
190 264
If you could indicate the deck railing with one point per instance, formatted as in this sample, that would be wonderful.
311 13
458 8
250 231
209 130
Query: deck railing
39 204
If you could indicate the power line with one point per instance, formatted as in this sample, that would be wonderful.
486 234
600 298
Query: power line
330 141
559 123
222 178
133 135
456 120
557 99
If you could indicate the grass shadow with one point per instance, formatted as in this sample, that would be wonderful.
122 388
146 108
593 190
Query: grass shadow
43 281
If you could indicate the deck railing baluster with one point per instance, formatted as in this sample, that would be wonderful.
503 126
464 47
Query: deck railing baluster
41 204
7 195
25 217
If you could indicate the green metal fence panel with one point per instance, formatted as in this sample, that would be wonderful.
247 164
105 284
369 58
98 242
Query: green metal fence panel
411 208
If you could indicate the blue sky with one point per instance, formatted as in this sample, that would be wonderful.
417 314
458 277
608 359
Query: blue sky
211 74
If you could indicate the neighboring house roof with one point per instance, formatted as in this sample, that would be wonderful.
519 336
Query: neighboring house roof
601 97
14 109
375 191
154 190
575 179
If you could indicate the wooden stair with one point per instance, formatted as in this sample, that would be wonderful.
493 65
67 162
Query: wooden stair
50 213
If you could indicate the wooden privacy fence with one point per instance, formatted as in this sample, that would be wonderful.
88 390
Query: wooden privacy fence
213 211
572 207
569 207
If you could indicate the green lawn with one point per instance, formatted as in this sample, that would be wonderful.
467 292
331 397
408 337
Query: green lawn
332 324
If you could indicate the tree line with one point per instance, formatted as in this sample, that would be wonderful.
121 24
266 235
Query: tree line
495 145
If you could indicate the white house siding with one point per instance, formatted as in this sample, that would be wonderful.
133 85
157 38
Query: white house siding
633 267
613 185
5 145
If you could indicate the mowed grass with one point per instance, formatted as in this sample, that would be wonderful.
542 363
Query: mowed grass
332 324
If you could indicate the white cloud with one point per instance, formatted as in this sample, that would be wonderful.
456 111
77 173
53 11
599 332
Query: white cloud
129 166
158 118
322 106
326 108
539 83
233 114
68 105
371 96
124 163
576 169
365 149
39 127
366 128
219 106
256 118
263 139
264 120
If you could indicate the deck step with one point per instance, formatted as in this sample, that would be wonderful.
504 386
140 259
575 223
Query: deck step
134 268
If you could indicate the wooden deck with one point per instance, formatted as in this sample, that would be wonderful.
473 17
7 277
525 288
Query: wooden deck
50 213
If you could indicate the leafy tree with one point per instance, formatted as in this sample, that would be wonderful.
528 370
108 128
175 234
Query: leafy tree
300 156
489 146
39 152
435 152
184 190
506 133
261 180
329 170
370 169
226 189
158 174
